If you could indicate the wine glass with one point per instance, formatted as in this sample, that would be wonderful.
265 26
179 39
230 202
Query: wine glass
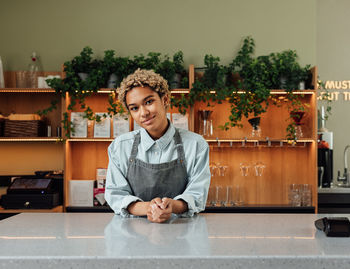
259 168
244 168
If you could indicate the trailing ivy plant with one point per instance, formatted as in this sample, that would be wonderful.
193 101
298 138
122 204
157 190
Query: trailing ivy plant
248 87
202 89
78 89
99 71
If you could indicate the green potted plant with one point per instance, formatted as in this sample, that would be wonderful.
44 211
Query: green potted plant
251 91
77 88
109 68
81 64
290 73
214 76
179 79
166 68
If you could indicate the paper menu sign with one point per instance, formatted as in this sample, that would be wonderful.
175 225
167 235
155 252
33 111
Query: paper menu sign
120 125
180 121
81 192
102 129
79 124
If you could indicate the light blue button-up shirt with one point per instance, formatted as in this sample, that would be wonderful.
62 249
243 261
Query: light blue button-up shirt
118 193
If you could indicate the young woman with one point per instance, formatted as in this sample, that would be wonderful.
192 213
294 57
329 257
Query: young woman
159 169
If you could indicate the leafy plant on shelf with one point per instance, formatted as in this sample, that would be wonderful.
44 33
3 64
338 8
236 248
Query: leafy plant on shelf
289 74
180 71
252 91
166 68
202 89
247 88
98 73
79 89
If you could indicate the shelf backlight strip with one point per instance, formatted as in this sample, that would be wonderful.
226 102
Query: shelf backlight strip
241 92
17 90
208 140
90 139
257 141
30 139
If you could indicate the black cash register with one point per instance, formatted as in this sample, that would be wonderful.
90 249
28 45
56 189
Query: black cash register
30 193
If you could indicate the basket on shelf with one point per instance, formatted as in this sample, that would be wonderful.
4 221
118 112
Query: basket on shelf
24 126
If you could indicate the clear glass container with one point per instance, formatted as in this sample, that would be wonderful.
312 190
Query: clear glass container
205 123
34 68
297 116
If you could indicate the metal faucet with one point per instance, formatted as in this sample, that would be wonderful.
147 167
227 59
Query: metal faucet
345 177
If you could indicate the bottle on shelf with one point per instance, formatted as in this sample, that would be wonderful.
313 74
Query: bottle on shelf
34 67
2 81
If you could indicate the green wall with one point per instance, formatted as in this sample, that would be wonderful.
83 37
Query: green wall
58 30
333 61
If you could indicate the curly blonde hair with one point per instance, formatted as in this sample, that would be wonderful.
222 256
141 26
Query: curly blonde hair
142 78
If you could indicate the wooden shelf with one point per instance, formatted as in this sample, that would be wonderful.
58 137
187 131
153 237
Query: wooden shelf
31 139
90 139
26 90
55 209
34 153
306 140
241 143
274 92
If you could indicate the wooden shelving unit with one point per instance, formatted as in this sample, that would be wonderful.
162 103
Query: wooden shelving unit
24 155
84 155
286 162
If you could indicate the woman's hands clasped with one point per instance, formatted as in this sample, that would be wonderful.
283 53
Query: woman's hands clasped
159 210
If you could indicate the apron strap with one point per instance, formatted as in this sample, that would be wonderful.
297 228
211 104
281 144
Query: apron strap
135 146
179 147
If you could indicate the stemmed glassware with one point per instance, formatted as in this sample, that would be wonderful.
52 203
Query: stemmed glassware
218 195
259 168
244 168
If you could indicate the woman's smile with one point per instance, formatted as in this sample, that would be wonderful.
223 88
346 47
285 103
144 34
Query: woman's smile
148 121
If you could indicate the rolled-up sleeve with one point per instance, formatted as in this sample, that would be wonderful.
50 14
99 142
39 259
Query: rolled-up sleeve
118 193
196 192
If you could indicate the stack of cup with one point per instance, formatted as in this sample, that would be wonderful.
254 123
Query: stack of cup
300 195
224 196
294 195
306 195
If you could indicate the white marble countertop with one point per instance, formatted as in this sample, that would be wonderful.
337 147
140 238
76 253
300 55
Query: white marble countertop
334 190
102 240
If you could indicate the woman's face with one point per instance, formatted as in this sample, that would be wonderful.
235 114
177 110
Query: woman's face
148 110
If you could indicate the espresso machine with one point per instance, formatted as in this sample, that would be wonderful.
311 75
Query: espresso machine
324 153
325 167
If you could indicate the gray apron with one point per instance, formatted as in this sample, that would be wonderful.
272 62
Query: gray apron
148 181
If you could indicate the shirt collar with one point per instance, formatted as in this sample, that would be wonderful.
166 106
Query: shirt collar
147 141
